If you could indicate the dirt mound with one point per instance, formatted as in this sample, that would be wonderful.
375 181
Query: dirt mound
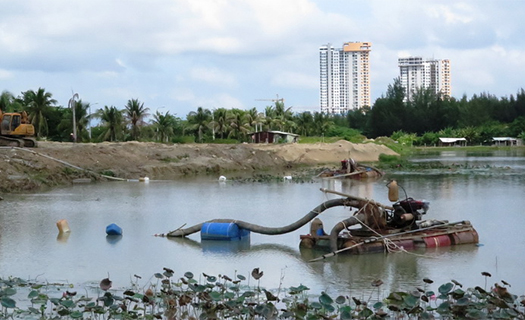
328 153
55 163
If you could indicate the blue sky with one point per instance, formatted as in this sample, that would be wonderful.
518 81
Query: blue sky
178 55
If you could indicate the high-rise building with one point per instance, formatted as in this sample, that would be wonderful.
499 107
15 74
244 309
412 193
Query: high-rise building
417 73
344 77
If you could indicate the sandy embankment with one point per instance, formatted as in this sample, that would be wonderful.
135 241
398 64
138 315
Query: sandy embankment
30 169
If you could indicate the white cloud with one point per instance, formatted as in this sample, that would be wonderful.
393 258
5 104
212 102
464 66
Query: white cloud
453 13
292 79
182 94
182 53
4 74
213 76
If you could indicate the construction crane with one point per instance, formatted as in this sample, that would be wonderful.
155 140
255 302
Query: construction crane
273 100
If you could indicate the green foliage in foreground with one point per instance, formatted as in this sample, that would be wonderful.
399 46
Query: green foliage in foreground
222 297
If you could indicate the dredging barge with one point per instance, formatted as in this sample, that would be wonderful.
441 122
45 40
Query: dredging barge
350 169
378 228
373 227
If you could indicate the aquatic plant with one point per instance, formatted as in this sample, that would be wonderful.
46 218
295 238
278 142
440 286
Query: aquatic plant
166 296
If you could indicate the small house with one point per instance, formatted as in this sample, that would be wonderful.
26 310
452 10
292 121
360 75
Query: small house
505 141
274 137
452 142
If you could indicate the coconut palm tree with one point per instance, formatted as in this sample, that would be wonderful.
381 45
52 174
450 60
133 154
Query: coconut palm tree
112 121
321 123
237 123
38 104
269 116
304 122
198 121
81 120
135 113
219 122
7 102
164 125
253 118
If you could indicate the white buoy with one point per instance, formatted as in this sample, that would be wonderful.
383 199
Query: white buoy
222 178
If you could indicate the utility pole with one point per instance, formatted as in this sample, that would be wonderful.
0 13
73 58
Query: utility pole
72 106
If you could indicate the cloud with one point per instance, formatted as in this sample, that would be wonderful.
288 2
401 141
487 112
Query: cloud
183 54
295 80
4 74
213 76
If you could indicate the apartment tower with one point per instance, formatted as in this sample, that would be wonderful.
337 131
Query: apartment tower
416 73
344 77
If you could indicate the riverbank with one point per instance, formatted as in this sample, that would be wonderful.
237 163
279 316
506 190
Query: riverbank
56 163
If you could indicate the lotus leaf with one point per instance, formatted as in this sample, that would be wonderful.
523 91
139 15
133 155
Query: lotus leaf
445 288
8 302
325 299
340 300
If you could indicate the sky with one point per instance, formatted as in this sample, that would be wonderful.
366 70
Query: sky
178 55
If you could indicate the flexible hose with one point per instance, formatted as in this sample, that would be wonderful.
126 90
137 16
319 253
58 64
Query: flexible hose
269 230
334 234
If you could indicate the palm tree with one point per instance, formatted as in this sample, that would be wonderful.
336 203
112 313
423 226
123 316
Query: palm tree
135 112
254 118
280 110
304 122
7 100
199 121
237 123
81 120
164 125
219 121
321 123
269 115
38 104
112 120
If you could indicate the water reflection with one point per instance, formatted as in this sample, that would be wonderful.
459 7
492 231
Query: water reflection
63 236
113 238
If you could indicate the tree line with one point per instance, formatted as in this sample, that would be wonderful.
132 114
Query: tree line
421 120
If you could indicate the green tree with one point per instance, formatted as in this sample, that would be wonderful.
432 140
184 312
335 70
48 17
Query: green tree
81 120
304 122
516 127
237 124
283 118
135 113
322 123
421 111
164 125
358 118
269 116
219 123
389 113
8 102
112 123
198 122
254 119
38 104
477 111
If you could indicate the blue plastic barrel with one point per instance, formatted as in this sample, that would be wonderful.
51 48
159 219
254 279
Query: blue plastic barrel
222 231
113 230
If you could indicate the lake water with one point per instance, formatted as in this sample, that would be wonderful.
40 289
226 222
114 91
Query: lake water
486 189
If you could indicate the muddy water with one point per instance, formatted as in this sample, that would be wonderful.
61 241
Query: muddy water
486 189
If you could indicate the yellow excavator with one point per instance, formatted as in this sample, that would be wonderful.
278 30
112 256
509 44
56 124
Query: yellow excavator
16 131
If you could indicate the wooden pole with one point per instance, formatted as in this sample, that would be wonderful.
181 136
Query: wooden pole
356 198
